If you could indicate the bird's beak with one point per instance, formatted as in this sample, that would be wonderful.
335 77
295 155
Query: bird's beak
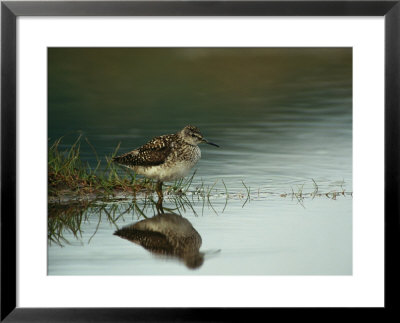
210 143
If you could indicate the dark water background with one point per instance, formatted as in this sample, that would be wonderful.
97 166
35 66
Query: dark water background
283 119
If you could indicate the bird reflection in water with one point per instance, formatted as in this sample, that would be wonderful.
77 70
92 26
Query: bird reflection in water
167 234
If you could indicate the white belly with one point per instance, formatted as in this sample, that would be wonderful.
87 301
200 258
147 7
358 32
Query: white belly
164 173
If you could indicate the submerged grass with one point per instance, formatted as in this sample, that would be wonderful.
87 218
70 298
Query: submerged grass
69 218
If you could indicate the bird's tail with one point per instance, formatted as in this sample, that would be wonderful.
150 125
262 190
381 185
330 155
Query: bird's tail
125 159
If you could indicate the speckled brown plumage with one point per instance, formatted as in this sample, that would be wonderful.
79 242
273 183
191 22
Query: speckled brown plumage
154 153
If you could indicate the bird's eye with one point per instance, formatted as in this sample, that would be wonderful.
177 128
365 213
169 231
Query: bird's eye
193 135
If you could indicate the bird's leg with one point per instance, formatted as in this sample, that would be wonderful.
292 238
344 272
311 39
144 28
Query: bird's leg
159 189
159 206
160 197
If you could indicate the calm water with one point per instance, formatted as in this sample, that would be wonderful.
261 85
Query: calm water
283 119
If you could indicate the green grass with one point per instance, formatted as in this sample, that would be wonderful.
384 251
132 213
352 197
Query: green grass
69 176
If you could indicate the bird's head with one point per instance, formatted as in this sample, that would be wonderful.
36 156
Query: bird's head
193 136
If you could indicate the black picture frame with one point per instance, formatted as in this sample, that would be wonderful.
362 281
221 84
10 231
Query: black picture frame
10 10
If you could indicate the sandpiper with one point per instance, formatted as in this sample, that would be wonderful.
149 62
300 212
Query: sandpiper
166 158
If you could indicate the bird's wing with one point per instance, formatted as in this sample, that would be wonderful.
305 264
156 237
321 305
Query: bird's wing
151 154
